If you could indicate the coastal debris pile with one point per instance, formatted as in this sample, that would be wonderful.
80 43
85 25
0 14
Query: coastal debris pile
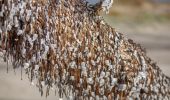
66 46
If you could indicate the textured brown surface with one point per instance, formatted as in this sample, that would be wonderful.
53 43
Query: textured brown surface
79 53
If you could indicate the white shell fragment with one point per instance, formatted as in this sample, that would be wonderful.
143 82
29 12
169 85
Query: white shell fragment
20 32
26 65
90 81
102 81
36 67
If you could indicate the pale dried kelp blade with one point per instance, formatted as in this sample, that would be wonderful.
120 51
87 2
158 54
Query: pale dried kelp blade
66 45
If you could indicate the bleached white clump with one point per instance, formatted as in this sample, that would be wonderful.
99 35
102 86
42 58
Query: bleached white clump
16 22
36 67
142 75
32 84
28 12
26 65
72 64
35 36
106 5
102 82
113 81
102 74
83 66
90 81
20 32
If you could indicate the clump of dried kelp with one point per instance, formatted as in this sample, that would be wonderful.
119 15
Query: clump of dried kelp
66 45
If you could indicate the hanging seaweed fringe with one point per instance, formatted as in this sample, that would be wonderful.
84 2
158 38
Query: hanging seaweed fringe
67 46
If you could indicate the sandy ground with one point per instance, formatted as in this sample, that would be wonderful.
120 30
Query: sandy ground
155 38
13 88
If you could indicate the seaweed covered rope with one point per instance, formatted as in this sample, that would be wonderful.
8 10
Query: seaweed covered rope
66 45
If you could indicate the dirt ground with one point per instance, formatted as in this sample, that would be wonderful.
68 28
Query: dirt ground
13 88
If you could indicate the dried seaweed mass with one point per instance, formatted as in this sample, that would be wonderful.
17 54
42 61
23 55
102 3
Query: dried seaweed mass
66 45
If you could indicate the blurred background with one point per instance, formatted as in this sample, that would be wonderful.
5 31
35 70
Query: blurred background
145 21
